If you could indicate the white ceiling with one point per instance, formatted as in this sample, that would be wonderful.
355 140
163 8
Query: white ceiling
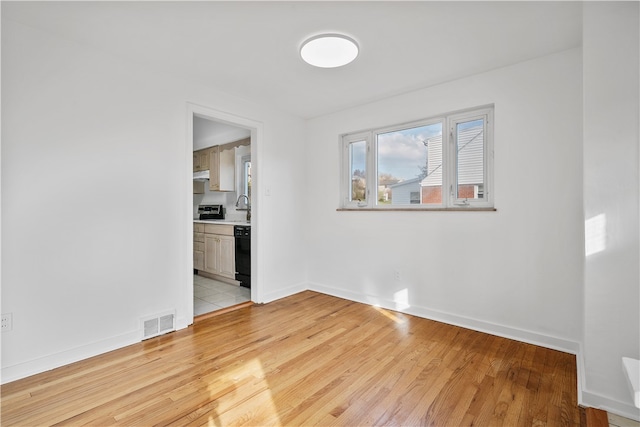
250 49
207 133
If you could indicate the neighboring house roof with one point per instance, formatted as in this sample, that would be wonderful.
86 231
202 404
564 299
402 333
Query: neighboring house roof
387 182
407 182
402 191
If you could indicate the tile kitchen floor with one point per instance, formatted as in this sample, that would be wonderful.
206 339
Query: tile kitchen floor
211 295
618 421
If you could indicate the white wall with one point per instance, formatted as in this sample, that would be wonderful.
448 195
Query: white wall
94 184
83 261
516 272
612 279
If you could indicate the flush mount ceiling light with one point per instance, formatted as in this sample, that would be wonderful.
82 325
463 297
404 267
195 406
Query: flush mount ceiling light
329 50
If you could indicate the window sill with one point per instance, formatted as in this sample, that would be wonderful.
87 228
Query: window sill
455 209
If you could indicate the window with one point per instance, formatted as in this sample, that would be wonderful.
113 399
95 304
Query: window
357 164
442 162
243 171
415 198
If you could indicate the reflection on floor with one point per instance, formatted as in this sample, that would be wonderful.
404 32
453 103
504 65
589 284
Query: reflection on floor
211 295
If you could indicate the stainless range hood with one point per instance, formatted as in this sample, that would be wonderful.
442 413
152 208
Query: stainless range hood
201 176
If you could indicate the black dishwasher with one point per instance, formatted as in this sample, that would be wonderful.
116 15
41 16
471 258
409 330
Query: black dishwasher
243 254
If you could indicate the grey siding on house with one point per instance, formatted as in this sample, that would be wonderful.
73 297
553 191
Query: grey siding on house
470 158
434 177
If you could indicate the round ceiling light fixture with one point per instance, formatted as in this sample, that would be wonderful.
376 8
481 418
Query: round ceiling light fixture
329 50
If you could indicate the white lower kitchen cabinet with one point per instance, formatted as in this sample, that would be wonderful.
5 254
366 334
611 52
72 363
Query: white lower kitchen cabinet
227 252
198 246
219 251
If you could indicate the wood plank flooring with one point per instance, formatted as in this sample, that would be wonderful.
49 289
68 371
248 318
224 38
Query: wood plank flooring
309 359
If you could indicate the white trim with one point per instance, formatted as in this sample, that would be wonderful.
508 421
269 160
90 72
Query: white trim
283 293
581 374
345 142
486 115
523 335
256 128
623 409
585 397
449 158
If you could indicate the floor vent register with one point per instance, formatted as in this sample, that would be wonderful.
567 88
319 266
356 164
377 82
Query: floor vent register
158 325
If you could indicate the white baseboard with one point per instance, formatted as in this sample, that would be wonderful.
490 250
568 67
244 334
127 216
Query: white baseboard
181 323
283 293
56 360
522 335
65 357
623 409
585 397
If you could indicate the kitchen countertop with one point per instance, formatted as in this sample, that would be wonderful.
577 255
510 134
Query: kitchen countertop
223 221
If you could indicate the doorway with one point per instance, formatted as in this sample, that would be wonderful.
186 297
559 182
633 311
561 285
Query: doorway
204 290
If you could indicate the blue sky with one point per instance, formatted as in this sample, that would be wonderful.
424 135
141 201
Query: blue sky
402 153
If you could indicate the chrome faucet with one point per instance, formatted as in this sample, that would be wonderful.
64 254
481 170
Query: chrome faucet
248 205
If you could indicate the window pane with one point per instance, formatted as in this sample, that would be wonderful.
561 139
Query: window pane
247 179
410 166
470 159
358 169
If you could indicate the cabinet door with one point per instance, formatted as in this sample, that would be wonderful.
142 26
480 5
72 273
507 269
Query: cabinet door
200 160
198 187
198 247
212 253
227 165
214 169
198 260
204 160
227 256
196 161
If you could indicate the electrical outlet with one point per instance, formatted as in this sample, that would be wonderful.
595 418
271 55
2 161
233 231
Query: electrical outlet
397 276
7 322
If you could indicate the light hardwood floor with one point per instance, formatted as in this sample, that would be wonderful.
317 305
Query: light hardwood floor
309 359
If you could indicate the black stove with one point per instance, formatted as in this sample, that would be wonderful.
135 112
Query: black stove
211 212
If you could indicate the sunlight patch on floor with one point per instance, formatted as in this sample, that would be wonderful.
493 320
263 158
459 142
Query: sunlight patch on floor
391 315
244 379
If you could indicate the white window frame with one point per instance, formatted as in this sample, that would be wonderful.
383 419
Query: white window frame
485 114
449 159
346 142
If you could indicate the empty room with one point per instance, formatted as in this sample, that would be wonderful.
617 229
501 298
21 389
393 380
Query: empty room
320 213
